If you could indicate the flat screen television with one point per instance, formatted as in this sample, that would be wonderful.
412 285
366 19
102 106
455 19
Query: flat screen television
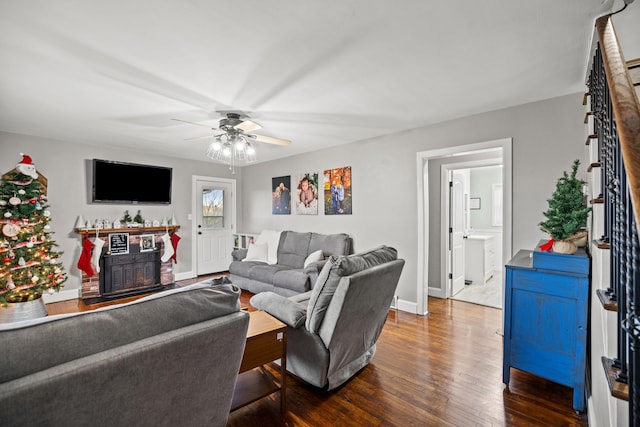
130 183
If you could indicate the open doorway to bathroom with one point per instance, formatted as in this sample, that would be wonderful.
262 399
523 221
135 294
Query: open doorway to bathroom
433 231
474 226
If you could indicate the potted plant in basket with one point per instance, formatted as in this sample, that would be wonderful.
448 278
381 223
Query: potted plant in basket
567 214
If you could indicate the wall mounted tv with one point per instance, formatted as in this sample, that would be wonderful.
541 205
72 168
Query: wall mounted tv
120 182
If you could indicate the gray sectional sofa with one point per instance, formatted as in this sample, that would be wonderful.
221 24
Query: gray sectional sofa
166 360
288 276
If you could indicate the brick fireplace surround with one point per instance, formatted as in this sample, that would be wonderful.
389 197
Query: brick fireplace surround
91 284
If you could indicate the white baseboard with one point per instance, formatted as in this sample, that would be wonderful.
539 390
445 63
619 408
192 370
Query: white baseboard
62 295
184 275
437 292
408 306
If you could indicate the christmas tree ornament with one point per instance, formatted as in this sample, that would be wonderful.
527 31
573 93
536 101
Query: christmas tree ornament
26 167
35 279
51 291
21 262
12 254
11 229
7 214
10 284
15 201
38 206
3 203
29 244
22 192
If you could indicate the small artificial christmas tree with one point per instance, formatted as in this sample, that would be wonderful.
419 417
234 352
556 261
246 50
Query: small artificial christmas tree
567 214
29 263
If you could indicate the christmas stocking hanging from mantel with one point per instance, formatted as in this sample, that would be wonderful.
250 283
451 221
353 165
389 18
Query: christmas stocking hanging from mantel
174 242
97 252
168 248
84 263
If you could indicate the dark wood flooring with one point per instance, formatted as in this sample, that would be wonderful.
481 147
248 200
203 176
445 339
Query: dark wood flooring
439 370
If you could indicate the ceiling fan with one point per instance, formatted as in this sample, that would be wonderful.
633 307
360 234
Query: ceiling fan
233 125
232 143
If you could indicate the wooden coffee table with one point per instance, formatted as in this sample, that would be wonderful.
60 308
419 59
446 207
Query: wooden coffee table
266 342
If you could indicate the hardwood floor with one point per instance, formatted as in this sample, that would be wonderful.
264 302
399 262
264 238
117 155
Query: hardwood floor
439 370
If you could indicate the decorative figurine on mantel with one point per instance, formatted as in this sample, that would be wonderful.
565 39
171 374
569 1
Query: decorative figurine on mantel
567 214
126 219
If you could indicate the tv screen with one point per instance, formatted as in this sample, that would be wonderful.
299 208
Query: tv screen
119 182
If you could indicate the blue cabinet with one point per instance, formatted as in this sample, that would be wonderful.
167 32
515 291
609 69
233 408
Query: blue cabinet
546 318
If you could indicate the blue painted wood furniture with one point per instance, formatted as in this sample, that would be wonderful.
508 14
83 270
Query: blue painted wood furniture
546 318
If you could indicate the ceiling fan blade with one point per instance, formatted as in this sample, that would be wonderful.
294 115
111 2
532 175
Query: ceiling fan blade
198 137
194 123
270 140
248 126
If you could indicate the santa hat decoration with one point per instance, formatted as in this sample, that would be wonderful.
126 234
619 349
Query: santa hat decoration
27 167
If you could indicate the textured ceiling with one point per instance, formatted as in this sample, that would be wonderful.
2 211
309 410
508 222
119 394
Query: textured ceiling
317 73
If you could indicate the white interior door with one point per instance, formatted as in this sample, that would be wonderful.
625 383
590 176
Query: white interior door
214 225
456 233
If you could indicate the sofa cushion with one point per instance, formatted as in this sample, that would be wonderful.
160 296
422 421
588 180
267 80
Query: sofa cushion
331 244
264 273
333 271
294 279
293 248
358 262
257 252
243 268
284 309
32 346
313 257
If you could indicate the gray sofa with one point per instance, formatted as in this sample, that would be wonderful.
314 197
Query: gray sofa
165 360
332 330
288 276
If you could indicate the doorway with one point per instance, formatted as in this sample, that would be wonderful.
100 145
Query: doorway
474 228
214 207
430 269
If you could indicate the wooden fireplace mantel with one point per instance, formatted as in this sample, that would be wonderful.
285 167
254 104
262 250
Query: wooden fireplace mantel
133 230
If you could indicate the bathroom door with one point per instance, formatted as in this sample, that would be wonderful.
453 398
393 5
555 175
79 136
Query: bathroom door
456 232
214 225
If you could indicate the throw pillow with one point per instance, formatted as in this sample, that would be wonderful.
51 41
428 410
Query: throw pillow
313 257
257 252
271 238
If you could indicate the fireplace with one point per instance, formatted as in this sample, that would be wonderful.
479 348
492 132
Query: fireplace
129 273
132 270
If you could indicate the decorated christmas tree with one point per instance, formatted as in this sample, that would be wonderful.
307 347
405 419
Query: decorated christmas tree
567 213
29 263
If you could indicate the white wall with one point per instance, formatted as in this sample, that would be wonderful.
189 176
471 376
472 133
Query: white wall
547 136
68 170
482 180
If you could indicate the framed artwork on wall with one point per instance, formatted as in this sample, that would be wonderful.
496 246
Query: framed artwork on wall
146 242
338 191
281 195
474 203
306 194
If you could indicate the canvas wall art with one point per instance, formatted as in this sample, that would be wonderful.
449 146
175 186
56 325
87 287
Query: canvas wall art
337 191
306 194
281 195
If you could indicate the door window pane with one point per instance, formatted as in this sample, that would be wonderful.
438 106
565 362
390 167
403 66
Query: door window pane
213 208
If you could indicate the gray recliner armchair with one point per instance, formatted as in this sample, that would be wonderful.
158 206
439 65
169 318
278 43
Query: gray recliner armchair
332 330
